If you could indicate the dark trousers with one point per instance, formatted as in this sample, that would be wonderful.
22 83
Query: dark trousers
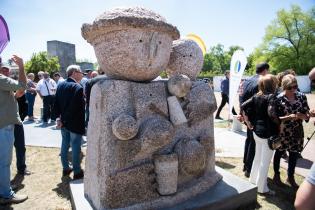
249 151
48 103
225 99
19 144
293 156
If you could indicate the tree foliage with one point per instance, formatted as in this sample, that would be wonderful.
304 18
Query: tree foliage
217 60
289 41
42 62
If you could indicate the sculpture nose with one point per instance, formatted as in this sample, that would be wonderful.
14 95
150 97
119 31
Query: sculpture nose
153 47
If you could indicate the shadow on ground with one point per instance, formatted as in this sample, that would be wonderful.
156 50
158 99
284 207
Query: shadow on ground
224 165
63 188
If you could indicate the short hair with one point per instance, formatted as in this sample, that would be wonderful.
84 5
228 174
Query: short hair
30 75
40 73
287 81
56 75
71 69
226 72
261 67
267 84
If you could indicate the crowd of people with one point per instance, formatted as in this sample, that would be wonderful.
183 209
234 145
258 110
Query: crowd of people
273 107
64 103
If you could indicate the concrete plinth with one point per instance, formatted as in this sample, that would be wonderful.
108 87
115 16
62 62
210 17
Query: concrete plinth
231 192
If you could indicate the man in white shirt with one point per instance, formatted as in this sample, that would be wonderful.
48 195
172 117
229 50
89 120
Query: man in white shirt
46 88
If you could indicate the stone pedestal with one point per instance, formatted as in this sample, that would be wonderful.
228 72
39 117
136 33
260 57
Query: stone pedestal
231 192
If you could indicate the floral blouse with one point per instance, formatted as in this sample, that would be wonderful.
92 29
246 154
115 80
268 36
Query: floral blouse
291 131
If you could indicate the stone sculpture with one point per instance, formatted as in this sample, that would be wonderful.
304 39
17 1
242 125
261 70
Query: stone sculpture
138 156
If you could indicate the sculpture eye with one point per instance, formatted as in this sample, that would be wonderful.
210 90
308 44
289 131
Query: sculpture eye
190 55
160 42
184 56
140 40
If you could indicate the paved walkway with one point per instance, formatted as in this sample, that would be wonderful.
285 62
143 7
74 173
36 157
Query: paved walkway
37 134
231 144
227 143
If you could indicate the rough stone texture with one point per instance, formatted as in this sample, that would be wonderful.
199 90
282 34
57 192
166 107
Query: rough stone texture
134 44
177 116
191 156
125 127
120 174
179 85
166 169
200 102
186 58
131 43
155 133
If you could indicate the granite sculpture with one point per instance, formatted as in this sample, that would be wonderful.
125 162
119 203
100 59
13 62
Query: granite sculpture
150 143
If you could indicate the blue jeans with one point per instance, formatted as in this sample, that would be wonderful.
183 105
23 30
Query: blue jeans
6 147
19 144
30 101
74 140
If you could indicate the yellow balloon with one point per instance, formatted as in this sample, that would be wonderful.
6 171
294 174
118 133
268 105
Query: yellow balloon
199 41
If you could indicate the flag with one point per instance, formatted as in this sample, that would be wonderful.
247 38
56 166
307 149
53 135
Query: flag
4 34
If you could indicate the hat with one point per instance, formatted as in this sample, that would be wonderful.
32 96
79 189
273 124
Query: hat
2 65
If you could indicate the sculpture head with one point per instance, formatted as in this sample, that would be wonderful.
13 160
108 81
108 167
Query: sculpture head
186 58
131 43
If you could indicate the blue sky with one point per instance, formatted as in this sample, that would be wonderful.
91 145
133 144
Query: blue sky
229 22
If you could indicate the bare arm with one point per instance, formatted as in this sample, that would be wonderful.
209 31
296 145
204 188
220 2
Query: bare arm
19 62
304 199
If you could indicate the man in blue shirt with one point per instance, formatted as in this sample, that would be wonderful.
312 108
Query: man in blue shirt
225 85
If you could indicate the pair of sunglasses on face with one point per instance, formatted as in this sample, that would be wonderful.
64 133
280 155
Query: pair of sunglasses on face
295 87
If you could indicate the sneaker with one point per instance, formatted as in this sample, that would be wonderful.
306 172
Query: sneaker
218 118
247 174
14 199
79 175
67 172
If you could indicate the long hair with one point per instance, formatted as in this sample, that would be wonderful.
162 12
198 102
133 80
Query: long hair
267 84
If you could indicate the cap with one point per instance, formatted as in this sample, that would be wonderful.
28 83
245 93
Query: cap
2 65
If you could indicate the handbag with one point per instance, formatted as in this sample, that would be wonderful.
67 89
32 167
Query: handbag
274 142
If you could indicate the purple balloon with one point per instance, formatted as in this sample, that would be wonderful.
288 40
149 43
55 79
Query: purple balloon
4 34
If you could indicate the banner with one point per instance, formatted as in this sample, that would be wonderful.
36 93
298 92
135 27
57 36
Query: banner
237 67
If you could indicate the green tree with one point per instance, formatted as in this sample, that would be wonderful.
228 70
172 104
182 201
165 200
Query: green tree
42 62
289 41
217 60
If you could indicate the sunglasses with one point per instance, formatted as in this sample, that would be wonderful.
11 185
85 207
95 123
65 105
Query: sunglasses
292 87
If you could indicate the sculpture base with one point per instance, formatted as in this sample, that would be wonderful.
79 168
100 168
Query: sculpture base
231 192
